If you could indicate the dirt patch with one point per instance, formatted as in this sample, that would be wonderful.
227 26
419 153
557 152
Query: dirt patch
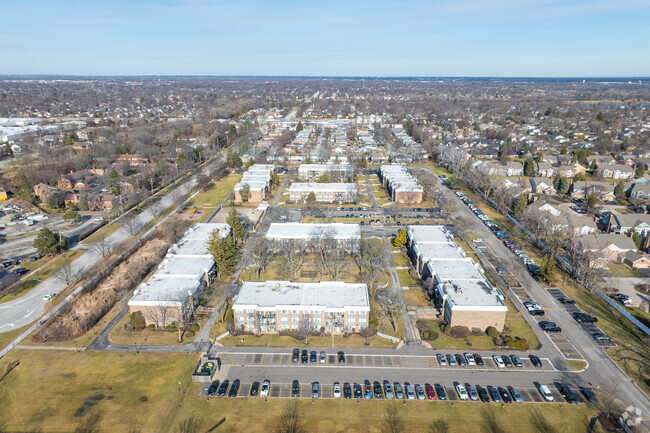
83 313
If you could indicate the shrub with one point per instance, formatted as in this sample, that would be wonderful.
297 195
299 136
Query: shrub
492 332
445 329
189 334
171 327
497 341
424 326
128 326
230 316
468 342
151 326
459 332
505 338
425 335
433 335
520 344
477 332
137 320
373 319
195 328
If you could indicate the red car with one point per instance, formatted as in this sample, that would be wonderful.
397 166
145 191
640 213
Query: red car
431 394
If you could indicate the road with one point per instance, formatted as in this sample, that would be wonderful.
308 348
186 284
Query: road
601 369
30 306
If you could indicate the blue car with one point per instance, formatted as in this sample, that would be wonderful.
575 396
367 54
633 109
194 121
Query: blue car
312 356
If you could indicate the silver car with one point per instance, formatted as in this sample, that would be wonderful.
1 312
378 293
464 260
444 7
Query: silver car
266 386
399 394
473 395
315 390
420 392
410 394
388 390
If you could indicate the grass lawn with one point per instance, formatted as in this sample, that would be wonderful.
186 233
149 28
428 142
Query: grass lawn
102 233
8 337
576 364
119 335
618 269
35 278
405 278
401 259
213 195
415 298
310 273
142 392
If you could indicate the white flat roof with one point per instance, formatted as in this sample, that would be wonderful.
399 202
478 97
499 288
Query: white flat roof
164 291
328 167
438 251
430 234
184 266
253 185
323 294
476 295
194 242
306 230
454 270
324 187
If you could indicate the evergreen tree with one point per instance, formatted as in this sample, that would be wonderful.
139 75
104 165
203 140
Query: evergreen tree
564 150
547 271
275 179
299 126
640 170
579 177
556 183
540 157
245 192
249 163
71 213
401 239
529 167
324 178
520 204
619 190
637 238
48 242
234 221
311 197
564 185
223 252
591 200
593 166
233 159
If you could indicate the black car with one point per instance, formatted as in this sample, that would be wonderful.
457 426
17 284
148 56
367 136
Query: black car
223 388
494 393
213 388
482 394
341 357
20 271
535 360
505 395
376 388
584 318
347 390
440 390
549 326
478 359
296 355
565 300
589 395
507 361
234 389
568 395
295 389
460 359
304 357
255 387
357 391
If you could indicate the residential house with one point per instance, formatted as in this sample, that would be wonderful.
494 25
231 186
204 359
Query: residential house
640 191
579 190
44 191
616 171
635 260
134 158
614 222
571 171
607 246
546 169
601 160
541 185
107 201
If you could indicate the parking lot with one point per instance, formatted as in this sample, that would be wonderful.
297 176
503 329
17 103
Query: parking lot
283 359
529 394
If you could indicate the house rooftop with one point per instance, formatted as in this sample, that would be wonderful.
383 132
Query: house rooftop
429 233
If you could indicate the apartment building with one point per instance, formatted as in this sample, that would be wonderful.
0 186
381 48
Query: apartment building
313 172
258 181
273 306
300 236
401 185
323 192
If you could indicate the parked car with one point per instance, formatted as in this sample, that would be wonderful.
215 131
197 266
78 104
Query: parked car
323 357
461 360
49 296
535 360
377 391
451 360
589 395
568 394
315 390
341 357
388 390
312 356
304 357
410 391
336 390
399 392
601 337
266 387
367 389
473 395
566 301
498 361
549 326
546 393
431 394
584 318
255 388
234 389
516 395
20 271
357 391
507 361
212 390
440 390
347 390
296 355
441 359
419 391
461 391
223 388
470 359
478 359
482 394
505 395
494 393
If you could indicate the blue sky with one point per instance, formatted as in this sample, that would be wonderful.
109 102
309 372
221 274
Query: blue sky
338 38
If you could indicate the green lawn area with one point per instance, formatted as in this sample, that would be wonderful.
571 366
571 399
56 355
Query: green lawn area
576 364
142 392
401 259
405 278
8 337
102 233
618 269
213 195
44 272
309 273
119 335
415 298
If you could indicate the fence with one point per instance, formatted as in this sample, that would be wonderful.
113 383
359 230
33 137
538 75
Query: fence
564 263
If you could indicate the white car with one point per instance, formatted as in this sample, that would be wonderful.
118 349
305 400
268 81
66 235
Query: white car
546 393
49 296
499 361
462 392
478 241
323 356
266 386
336 390
470 359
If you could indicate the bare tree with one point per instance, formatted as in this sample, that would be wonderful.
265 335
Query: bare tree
293 259
304 327
368 332
260 254
391 308
131 224
540 423
322 242
291 420
439 426
393 422
335 263
103 248
67 274
178 198
490 422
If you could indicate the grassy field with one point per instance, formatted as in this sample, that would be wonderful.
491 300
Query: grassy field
119 335
8 337
212 196
142 392
401 259
405 278
618 269
102 233
35 278
576 364
415 298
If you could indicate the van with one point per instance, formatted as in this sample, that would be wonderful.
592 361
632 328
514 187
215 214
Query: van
546 393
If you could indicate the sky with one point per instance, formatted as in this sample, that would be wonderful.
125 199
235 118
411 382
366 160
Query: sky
502 38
